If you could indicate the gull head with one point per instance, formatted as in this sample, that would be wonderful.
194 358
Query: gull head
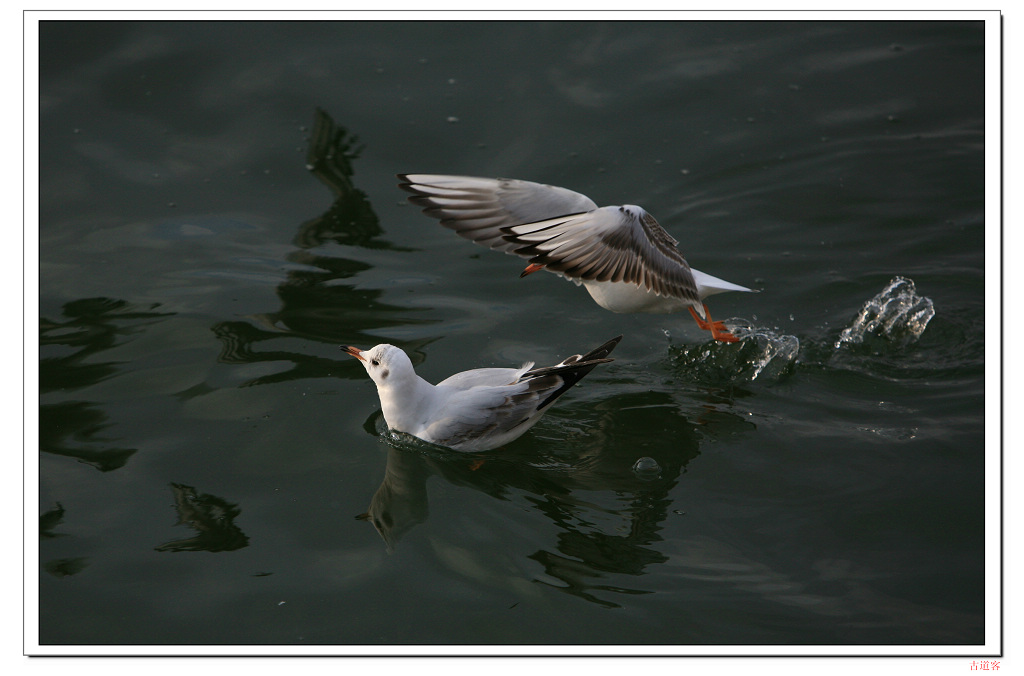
385 363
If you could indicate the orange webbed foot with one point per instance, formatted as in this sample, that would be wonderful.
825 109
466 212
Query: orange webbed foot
717 328
723 335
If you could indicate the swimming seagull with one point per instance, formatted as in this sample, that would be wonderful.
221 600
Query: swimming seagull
474 410
623 257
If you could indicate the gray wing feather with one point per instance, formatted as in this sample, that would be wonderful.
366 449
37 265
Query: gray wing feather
492 377
611 244
486 410
477 208
482 411
560 229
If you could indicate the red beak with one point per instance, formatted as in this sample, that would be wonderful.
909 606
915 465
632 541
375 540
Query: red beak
354 351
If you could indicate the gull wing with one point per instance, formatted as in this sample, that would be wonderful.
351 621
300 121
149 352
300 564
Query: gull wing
486 377
477 208
494 413
611 244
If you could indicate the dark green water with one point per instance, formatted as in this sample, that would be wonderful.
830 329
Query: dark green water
205 447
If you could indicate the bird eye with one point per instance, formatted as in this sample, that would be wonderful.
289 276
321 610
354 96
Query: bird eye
375 362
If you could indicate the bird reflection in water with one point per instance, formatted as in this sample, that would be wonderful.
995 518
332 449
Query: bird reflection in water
608 517
319 298
400 502
71 351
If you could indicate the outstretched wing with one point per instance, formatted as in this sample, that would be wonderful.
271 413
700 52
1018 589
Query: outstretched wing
611 244
477 208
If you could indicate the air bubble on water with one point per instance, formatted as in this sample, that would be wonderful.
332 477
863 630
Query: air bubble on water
647 468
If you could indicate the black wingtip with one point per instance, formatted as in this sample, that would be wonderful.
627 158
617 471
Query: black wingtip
571 372
602 351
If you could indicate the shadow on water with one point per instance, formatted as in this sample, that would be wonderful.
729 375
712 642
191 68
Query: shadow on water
62 567
73 428
317 301
50 520
608 510
211 517
92 326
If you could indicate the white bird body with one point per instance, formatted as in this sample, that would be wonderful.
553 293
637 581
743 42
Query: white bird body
620 254
627 298
473 410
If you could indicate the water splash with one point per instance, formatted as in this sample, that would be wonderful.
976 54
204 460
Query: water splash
761 353
768 354
896 314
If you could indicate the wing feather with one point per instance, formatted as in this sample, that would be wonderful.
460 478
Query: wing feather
560 229
476 208
612 243
487 410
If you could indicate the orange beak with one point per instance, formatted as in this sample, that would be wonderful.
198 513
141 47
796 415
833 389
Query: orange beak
354 351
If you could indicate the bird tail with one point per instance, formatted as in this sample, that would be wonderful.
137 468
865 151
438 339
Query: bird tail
598 353
573 369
